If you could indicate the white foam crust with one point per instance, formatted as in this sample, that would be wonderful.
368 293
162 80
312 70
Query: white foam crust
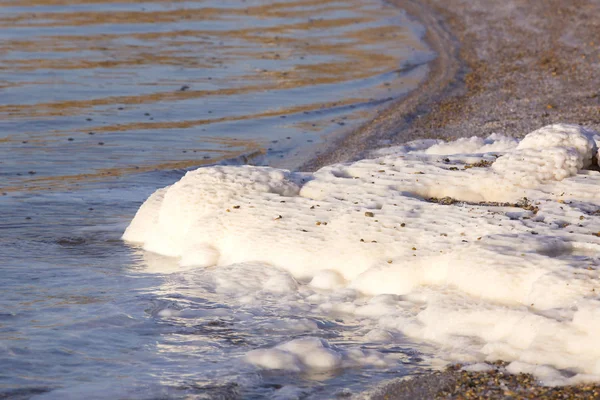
479 281
313 354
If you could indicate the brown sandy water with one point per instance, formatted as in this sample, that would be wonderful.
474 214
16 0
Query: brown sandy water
94 89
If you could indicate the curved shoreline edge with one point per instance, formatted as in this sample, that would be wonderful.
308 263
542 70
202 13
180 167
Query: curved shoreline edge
441 80
506 67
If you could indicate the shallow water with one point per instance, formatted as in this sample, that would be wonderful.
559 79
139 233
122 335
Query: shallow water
83 314
96 89
105 101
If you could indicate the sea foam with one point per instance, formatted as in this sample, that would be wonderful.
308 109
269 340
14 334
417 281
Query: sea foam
486 248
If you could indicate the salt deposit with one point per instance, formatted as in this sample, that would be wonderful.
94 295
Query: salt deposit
486 248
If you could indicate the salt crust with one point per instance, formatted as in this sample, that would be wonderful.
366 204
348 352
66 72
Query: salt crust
481 281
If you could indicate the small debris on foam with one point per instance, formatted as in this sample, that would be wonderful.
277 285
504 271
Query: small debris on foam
505 267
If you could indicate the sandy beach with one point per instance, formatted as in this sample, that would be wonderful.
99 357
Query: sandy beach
503 67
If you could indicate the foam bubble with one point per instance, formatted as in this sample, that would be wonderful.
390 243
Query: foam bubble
327 279
313 354
487 256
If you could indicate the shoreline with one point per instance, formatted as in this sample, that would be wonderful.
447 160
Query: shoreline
505 68
440 82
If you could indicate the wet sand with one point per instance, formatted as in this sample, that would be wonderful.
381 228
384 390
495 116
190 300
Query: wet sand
454 383
507 67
